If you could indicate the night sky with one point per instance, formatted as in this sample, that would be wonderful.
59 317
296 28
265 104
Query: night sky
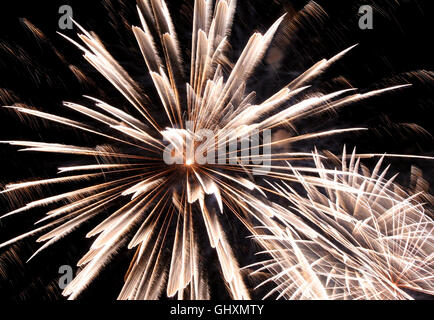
45 72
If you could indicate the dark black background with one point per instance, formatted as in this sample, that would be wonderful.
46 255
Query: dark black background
31 72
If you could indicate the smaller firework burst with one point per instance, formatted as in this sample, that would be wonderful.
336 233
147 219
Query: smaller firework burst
350 234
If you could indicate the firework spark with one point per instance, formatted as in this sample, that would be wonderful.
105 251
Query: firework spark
162 205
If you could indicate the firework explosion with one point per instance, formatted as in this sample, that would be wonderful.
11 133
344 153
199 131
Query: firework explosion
157 207
350 234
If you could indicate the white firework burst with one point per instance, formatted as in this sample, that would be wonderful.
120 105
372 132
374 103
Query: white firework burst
350 234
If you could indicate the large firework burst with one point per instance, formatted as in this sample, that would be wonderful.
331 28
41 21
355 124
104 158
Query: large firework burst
156 207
